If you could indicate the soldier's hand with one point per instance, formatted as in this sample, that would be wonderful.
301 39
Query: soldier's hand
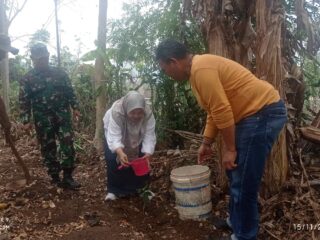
27 126
76 115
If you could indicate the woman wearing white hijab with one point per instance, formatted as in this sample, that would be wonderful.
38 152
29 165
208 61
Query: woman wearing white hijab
130 133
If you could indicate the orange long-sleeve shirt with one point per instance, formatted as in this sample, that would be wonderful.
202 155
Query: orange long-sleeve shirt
227 91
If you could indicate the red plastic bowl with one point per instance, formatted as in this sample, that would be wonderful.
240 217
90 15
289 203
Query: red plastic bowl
140 166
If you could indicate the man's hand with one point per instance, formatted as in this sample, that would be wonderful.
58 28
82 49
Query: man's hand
123 158
203 153
228 159
229 153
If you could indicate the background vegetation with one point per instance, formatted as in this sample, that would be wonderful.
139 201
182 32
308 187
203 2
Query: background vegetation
131 41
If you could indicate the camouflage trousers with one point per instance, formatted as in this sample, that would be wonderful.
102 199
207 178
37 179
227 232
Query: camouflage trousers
50 128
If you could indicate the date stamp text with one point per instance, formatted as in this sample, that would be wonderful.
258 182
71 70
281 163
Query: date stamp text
306 226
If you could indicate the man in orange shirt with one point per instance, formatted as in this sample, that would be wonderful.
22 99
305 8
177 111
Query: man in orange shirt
248 113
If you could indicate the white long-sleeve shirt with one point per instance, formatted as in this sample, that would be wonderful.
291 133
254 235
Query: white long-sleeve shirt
113 134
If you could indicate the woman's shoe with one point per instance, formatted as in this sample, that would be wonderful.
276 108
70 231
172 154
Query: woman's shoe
110 197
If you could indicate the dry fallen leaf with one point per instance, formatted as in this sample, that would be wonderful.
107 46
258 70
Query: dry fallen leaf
51 204
3 206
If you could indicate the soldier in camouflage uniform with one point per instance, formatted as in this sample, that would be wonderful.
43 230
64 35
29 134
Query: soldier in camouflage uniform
47 92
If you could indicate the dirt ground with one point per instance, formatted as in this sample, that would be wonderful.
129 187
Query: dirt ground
42 211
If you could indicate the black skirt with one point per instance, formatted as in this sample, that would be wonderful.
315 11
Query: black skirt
122 182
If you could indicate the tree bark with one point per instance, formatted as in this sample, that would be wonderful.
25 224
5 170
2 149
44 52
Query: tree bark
6 125
5 22
229 32
214 27
270 17
99 76
4 64
57 32
4 73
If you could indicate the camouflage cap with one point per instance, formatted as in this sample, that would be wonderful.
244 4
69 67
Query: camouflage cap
5 45
39 50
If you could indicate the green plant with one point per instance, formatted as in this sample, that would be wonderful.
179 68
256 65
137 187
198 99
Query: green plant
146 194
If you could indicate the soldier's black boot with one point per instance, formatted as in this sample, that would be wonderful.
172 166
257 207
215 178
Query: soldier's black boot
53 171
55 179
68 182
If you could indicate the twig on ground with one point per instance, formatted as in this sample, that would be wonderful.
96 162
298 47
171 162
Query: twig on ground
271 234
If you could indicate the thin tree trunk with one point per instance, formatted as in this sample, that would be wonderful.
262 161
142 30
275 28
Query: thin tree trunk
6 125
4 74
4 64
100 78
57 32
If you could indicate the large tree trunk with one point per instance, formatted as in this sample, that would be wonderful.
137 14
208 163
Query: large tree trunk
213 28
99 77
270 17
234 38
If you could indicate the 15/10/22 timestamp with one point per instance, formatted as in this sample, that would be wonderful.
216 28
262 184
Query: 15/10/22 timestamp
306 227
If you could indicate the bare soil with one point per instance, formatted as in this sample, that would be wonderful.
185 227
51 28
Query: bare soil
43 211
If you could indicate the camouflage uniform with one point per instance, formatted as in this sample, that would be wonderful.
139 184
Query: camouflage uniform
49 95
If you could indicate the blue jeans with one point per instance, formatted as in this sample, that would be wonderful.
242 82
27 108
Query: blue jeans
255 136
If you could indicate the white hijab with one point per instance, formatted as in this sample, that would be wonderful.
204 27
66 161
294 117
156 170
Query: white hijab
132 133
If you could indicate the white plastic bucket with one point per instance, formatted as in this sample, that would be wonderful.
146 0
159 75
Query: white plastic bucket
192 189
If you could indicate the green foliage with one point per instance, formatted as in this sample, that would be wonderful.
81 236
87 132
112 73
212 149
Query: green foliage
41 35
130 63
302 44
69 62
132 42
18 66
84 90
312 79
89 56
78 143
